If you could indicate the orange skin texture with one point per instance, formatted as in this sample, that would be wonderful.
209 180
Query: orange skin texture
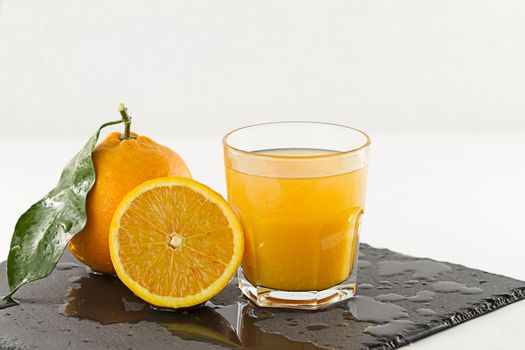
120 166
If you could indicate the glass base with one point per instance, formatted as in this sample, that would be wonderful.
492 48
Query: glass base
303 300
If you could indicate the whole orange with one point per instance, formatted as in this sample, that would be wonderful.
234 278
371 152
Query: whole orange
121 164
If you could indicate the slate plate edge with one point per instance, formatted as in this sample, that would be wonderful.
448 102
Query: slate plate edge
461 316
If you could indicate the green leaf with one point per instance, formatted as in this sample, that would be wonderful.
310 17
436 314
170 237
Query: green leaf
43 231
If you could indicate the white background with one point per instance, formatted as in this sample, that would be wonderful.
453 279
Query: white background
440 85
204 66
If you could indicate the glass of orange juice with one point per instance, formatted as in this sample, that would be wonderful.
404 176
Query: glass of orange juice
299 191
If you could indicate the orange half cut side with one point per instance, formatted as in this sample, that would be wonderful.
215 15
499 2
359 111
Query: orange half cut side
175 242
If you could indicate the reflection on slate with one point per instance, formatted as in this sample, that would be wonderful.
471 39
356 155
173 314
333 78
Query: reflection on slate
400 300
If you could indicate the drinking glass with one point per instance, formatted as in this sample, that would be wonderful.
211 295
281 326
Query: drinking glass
299 191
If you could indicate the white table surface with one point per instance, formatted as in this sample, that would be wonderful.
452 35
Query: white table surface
457 198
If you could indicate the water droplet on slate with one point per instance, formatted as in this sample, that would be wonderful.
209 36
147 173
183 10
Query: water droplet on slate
316 327
390 297
366 308
422 296
391 328
425 269
426 312
453 287
365 286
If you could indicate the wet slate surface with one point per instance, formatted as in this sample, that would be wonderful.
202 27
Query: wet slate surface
76 309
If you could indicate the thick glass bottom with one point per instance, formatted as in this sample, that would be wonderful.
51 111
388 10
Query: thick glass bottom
304 300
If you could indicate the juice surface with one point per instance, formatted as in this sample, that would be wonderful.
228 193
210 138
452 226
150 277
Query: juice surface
300 232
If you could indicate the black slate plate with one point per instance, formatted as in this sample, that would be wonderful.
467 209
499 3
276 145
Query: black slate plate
76 309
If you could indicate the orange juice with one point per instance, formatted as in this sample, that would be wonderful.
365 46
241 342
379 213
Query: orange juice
300 230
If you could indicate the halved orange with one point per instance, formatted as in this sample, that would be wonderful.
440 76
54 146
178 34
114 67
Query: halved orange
175 242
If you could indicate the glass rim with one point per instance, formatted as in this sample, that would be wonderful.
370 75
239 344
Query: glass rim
367 143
